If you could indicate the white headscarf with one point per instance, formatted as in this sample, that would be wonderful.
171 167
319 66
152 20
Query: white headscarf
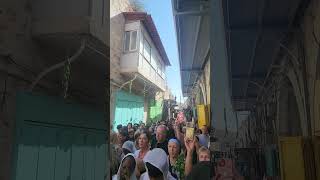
133 176
158 158
129 145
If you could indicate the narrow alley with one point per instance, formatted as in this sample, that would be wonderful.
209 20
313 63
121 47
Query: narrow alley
160 90
262 101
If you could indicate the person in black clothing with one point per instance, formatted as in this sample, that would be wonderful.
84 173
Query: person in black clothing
202 170
131 134
123 135
161 137
119 127
153 137
129 126
171 134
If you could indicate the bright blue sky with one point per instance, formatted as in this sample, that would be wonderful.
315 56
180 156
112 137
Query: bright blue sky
161 12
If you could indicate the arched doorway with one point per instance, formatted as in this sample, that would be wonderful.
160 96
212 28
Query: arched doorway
289 121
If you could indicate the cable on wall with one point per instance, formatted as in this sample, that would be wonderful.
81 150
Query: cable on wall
56 66
128 82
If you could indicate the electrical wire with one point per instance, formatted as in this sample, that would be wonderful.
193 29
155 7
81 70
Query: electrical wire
24 68
130 81
97 51
19 66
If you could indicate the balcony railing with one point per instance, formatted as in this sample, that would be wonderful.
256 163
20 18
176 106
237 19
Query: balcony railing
150 73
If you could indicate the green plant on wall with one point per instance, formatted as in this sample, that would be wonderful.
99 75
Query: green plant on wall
155 110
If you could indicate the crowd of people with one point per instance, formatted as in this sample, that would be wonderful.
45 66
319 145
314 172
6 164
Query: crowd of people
160 151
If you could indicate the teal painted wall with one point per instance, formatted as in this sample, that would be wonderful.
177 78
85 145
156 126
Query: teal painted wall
57 141
129 108
46 109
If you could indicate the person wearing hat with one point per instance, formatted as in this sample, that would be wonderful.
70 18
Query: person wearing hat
128 147
157 166
126 169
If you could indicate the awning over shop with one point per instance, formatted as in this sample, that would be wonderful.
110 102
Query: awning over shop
192 22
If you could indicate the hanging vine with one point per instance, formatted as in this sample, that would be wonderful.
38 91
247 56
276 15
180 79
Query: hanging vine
66 78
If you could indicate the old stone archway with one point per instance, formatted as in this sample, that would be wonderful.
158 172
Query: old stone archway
289 121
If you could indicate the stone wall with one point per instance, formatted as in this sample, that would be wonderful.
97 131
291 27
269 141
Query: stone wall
15 41
119 6
300 72
311 28
117 23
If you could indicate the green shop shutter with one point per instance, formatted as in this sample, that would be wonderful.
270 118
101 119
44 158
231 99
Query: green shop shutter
129 108
58 141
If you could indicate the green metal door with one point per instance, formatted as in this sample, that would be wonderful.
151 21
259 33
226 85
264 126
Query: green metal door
58 141
129 108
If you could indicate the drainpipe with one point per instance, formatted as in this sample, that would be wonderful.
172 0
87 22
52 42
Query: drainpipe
56 66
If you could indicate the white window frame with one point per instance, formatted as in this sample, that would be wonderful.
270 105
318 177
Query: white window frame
144 55
125 38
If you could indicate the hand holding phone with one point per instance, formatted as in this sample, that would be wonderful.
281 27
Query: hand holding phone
189 144
190 133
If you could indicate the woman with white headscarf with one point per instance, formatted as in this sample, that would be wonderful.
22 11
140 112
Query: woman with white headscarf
157 166
174 148
126 169
128 147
